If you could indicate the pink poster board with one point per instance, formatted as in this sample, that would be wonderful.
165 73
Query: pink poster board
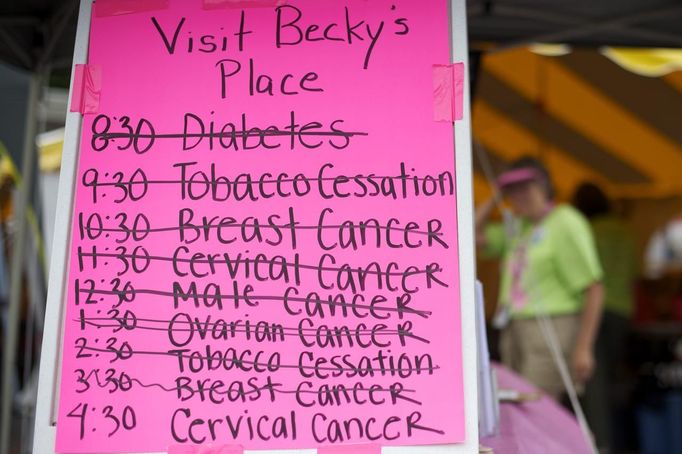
264 242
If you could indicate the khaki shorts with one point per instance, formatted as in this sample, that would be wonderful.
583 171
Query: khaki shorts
524 350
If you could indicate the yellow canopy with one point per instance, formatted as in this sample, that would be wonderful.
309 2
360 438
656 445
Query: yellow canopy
586 116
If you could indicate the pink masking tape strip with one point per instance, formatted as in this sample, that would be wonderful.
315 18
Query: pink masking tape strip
87 85
350 449
458 75
448 92
117 7
216 4
208 448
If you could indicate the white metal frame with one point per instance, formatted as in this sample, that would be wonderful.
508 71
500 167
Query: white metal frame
45 429
50 361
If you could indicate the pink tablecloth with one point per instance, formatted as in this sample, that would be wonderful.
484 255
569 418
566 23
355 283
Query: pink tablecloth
538 427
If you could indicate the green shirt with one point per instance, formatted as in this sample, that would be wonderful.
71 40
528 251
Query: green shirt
616 248
545 267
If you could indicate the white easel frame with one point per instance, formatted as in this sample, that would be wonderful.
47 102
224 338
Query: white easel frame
48 394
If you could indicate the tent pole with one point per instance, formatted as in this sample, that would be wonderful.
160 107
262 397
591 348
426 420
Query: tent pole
17 261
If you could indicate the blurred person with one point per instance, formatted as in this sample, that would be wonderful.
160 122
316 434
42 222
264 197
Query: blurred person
664 250
606 393
549 267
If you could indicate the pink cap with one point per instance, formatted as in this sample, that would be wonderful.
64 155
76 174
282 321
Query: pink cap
516 176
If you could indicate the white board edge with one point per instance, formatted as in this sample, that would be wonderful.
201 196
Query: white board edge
45 431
